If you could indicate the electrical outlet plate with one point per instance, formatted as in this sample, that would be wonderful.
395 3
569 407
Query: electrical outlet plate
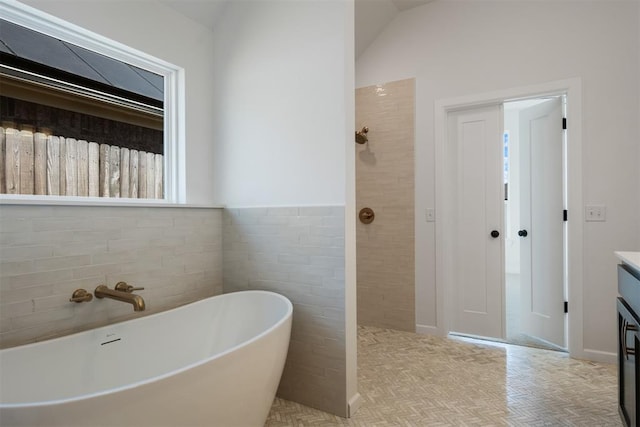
595 213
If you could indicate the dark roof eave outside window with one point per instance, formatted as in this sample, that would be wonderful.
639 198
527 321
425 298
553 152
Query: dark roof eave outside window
50 58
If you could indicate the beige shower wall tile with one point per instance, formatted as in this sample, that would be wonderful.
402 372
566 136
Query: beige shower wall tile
385 183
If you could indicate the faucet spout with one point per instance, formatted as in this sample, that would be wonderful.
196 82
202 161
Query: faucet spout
136 300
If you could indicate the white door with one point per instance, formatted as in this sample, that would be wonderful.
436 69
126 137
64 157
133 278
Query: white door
541 222
475 138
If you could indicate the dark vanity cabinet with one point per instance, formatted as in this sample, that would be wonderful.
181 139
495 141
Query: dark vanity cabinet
628 344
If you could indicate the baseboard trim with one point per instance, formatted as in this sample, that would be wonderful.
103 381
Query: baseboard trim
354 404
427 330
599 356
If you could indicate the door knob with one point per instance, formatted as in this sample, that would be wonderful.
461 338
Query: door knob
495 233
522 233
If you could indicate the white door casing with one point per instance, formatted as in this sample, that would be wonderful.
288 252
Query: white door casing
475 136
541 207
447 262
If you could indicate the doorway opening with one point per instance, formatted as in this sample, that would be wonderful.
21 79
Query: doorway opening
470 294
507 167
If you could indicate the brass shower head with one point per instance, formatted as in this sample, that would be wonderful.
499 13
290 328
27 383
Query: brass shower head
361 135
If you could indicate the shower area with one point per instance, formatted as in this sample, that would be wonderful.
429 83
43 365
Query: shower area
384 140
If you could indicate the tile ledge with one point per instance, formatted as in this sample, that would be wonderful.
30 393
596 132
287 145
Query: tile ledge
8 200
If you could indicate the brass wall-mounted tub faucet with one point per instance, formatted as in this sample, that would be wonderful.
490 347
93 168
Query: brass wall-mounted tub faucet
122 292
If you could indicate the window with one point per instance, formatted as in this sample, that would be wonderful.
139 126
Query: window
83 116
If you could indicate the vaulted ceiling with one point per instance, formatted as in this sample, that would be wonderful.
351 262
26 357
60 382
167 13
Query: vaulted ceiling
371 16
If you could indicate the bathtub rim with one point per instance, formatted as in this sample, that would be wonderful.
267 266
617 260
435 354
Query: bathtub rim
287 316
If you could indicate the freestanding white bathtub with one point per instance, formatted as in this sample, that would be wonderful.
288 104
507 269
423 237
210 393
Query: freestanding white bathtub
215 362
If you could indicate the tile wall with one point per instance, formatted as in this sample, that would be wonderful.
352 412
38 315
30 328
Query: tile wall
177 255
46 252
298 252
385 183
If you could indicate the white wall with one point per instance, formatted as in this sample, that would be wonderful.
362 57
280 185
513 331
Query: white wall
280 105
283 128
370 18
159 31
458 48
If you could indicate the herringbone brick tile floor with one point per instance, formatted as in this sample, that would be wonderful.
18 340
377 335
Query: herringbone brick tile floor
416 380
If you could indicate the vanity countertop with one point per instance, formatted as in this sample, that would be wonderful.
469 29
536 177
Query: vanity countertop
632 259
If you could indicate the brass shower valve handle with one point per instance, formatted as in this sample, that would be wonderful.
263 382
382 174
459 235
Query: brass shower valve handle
123 287
366 215
81 295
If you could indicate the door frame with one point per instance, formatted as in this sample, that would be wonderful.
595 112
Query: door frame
445 226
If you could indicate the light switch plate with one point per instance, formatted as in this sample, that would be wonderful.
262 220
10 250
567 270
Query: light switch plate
430 215
595 213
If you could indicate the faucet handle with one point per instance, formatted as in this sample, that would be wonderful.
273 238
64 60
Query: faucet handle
81 295
123 287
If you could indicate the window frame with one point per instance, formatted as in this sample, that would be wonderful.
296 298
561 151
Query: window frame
174 102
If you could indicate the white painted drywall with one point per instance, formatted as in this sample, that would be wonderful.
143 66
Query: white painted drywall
370 18
161 32
280 112
284 118
462 48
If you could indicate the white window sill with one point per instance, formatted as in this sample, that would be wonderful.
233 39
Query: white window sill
17 199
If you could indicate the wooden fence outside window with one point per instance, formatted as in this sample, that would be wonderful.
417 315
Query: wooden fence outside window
54 165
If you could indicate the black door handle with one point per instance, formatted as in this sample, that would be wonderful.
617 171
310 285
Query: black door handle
495 233
522 233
